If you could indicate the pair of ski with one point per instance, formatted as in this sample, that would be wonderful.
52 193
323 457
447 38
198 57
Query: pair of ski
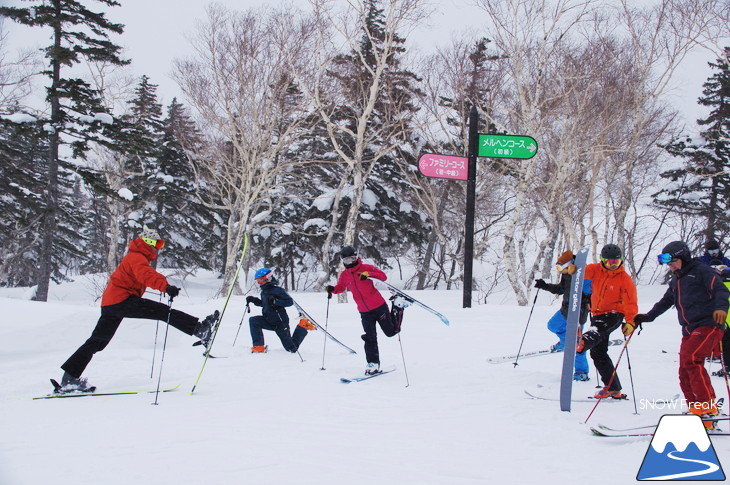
587 399
607 432
539 353
59 393
367 376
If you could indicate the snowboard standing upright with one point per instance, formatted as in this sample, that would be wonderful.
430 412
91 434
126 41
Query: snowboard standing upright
571 331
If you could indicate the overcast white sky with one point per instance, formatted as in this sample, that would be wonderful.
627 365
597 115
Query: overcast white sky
157 31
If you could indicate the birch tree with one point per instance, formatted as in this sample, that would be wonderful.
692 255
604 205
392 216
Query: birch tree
239 84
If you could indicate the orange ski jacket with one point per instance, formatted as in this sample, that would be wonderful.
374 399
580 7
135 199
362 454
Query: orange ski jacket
613 291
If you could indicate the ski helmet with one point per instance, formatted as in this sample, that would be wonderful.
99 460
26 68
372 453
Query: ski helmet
678 250
152 237
348 251
712 244
611 251
264 273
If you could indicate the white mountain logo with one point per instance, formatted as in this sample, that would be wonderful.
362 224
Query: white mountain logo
681 450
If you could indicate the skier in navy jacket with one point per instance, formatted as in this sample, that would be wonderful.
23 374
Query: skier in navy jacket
274 301
701 299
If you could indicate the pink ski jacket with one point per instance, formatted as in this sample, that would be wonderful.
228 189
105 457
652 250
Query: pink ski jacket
364 292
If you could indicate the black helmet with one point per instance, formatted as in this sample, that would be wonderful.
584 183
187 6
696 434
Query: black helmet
348 251
611 251
678 250
712 244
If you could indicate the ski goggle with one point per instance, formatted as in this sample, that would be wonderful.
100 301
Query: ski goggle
564 266
713 252
611 261
263 279
349 259
158 243
665 258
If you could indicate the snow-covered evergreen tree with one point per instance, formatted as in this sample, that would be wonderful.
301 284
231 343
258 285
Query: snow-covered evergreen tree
701 187
76 113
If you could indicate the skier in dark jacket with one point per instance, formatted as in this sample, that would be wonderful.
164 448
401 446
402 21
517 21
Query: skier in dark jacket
122 298
370 303
274 301
558 323
701 299
713 255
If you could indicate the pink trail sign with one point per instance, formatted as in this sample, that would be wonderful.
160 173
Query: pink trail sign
443 166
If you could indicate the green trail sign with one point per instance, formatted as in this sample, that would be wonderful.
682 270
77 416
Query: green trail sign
506 146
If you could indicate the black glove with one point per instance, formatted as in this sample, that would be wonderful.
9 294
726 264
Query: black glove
173 291
329 289
642 318
541 284
272 300
251 299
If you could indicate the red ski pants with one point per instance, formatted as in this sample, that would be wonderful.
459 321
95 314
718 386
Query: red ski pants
693 378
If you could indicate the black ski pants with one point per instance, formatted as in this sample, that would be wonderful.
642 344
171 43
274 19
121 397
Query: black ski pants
290 342
605 324
112 316
380 316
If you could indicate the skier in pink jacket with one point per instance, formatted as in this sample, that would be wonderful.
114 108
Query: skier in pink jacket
370 303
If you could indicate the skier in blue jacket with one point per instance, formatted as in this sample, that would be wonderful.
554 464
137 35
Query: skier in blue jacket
274 301
558 323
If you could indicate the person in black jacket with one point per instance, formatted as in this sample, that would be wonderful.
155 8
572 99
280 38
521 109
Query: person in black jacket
274 301
558 323
701 299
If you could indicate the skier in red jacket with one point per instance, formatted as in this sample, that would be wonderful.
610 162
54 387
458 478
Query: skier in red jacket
122 298
370 303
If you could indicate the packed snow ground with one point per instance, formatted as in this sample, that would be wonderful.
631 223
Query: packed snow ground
273 419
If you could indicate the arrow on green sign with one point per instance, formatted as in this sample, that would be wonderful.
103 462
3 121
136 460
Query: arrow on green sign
506 146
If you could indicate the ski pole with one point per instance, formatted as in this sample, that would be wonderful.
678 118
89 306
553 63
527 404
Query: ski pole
525 332
326 321
631 379
405 369
164 347
247 310
724 369
154 347
610 381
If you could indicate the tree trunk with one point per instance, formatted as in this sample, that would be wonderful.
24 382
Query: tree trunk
45 266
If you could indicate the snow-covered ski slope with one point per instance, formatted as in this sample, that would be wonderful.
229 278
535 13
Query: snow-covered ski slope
272 419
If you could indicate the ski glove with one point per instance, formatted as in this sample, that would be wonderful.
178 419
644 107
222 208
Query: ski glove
719 316
253 299
364 275
628 328
329 289
642 318
541 284
173 291
272 300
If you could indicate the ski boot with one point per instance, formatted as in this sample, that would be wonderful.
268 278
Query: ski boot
204 330
612 393
70 384
306 324
581 376
259 349
558 347
372 368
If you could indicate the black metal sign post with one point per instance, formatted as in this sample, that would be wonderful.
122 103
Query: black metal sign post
471 187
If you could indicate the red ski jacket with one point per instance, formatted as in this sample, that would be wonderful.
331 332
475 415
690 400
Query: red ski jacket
363 292
133 275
